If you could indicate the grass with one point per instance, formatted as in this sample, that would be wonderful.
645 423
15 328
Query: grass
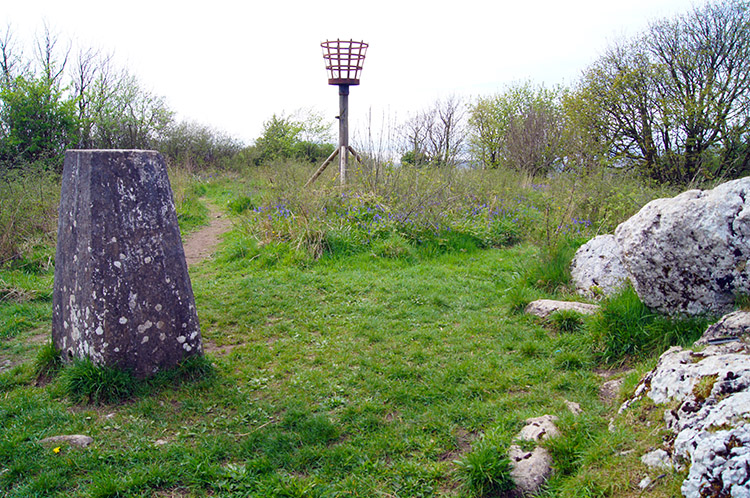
626 329
340 361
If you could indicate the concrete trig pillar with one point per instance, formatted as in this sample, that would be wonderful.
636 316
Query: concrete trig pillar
122 295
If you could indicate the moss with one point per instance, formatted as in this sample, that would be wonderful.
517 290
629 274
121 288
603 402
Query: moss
702 389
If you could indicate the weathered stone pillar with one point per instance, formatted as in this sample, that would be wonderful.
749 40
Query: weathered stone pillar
122 294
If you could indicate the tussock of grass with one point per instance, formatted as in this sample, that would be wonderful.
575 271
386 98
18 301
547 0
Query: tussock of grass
626 329
485 471
84 382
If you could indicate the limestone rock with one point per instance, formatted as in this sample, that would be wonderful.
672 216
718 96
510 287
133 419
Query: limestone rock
545 307
731 327
689 254
712 437
721 462
657 459
574 407
73 440
610 389
539 428
531 469
597 267
122 294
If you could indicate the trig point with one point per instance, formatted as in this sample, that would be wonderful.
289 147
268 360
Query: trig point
122 294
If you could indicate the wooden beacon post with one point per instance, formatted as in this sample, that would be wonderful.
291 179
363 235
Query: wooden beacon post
344 64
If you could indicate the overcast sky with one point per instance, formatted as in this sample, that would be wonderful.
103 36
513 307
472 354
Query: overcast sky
232 65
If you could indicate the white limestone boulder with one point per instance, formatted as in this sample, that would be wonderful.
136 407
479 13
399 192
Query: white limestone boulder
689 254
546 307
597 269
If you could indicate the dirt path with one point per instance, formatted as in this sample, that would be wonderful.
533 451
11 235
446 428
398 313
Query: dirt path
201 244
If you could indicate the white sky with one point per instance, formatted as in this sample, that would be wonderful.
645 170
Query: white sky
233 64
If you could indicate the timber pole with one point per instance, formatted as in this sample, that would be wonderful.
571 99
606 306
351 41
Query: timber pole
343 132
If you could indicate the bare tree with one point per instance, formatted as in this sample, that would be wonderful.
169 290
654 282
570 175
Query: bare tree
533 140
51 62
11 58
90 66
435 135
677 100
414 132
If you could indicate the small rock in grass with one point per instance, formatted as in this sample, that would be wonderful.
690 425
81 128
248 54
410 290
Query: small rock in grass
530 469
657 459
545 307
645 482
539 428
73 440
574 407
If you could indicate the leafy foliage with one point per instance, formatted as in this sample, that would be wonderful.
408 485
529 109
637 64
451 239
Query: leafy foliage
674 101
36 123
520 128
286 137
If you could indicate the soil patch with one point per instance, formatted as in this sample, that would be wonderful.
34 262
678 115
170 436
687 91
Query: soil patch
202 244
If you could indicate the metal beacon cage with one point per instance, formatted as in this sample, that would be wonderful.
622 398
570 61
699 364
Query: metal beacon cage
343 60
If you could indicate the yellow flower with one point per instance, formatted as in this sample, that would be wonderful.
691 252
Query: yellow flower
56 450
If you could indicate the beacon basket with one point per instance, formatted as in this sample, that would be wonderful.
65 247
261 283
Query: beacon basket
344 60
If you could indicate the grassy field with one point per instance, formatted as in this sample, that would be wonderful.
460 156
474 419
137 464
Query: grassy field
354 350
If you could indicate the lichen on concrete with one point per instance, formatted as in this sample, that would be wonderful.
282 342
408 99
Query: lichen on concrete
120 268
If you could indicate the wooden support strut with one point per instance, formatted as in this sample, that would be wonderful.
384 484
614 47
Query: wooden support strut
328 161
322 167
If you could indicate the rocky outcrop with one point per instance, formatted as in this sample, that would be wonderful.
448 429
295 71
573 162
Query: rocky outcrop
73 440
711 390
689 254
597 269
732 327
